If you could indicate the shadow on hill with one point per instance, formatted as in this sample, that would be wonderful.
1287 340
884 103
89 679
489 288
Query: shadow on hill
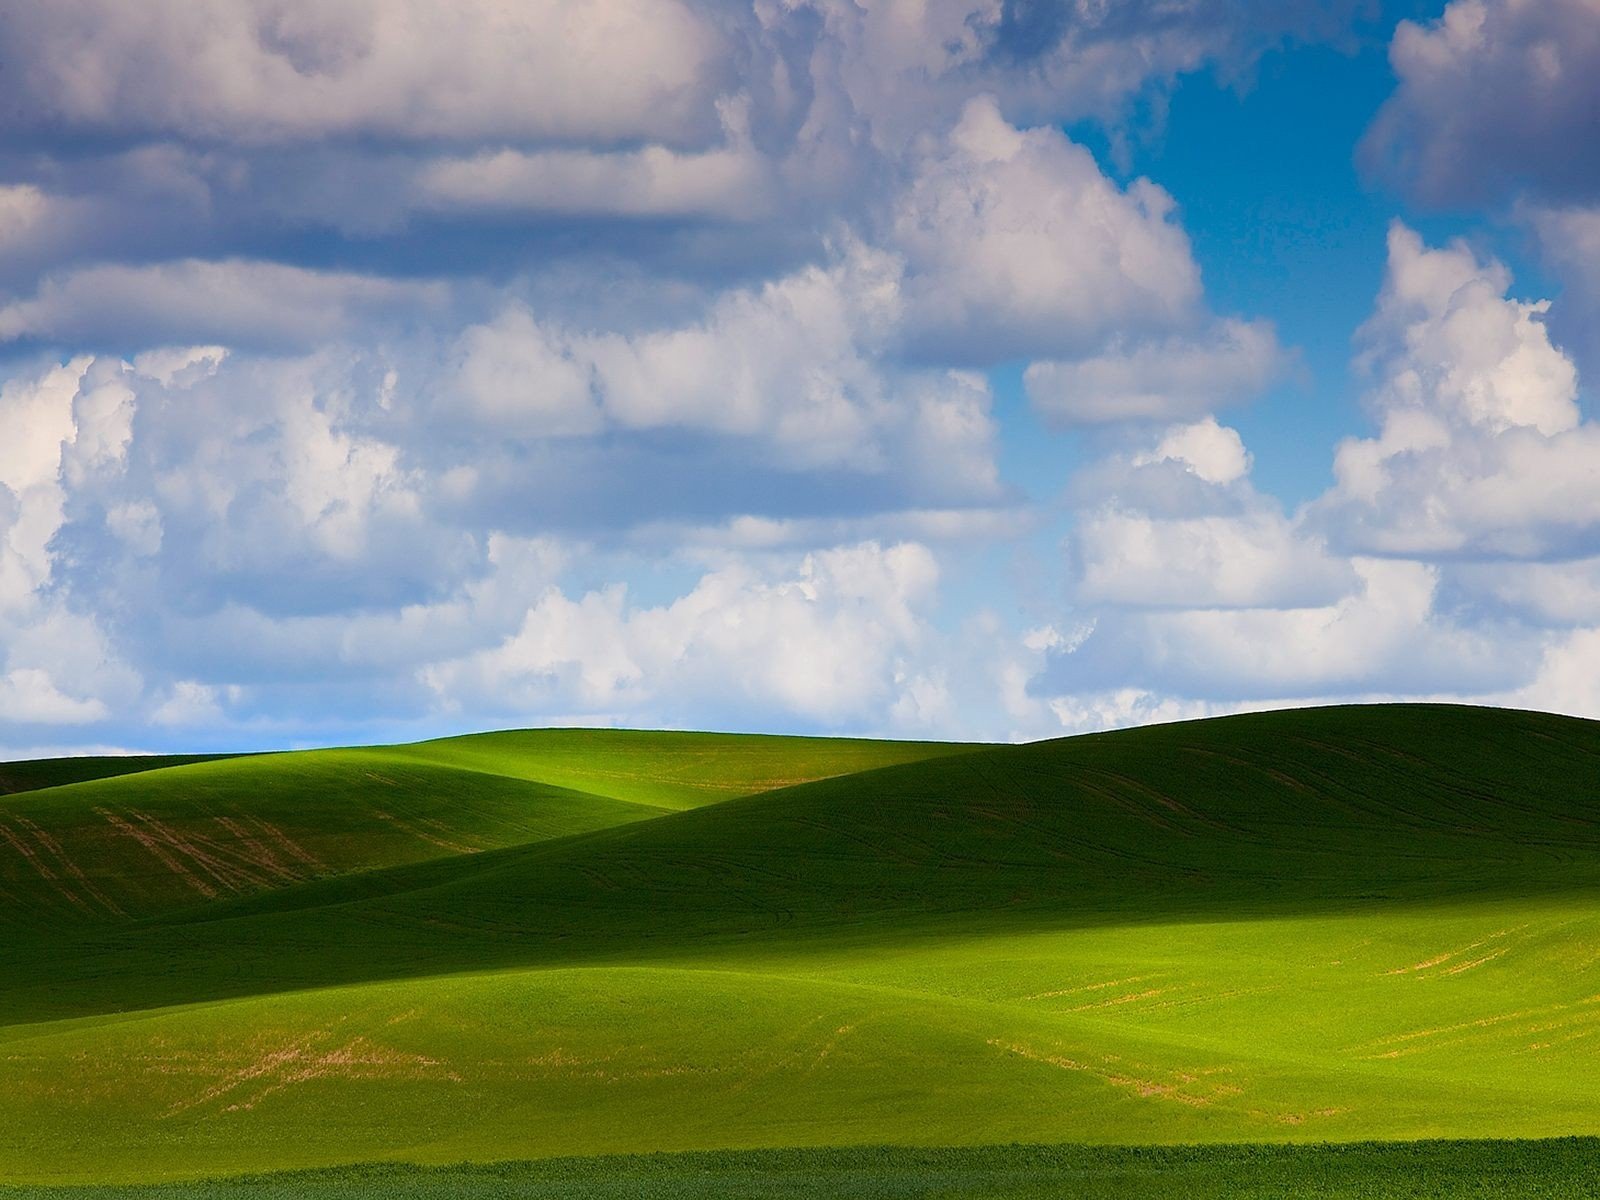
1311 810
37 773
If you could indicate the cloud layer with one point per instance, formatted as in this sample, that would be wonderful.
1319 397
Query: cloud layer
378 368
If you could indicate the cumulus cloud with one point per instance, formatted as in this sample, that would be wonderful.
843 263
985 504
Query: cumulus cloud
1177 525
1554 594
235 301
57 667
209 128
241 524
517 377
1196 595
212 478
828 639
38 227
730 182
1255 559
290 484
1481 451
1569 243
1384 637
1016 243
440 361
1445 337
257 71
796 366
1121 708
1047 63
1494 96
1212 452
1567 679
28 695
1172 378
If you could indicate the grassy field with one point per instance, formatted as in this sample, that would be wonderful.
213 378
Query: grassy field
1340 925
1477 1170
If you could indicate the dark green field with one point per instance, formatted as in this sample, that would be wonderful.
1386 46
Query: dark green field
1362 1171
1376 927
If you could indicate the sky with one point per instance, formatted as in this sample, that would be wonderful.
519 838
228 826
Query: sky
374 370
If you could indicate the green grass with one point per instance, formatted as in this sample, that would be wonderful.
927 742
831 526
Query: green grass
54 772
1334 925
1482 1170
98 840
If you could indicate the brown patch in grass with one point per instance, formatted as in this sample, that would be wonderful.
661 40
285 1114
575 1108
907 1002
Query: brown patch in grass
300 1060
259 854
1140 1085
42 868
422 834
1089 987
1118 1001
1440 959
1417 1040
221 862
1476 962
290 847
68 864
154 845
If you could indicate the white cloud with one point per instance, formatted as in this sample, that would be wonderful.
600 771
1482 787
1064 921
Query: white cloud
1256 559
753 533
730 182
235 302
1557 594
29 696
794 357
1182 376
212 477
1382 637
1567 679
255 522
37 225
796 366
905 66
1569 244
189 704
1213 452
275 70
1122 708
1446 339
36 415
694 280
213 127
1175 524
826 640
521 379
1016 243
1480 451
1493 95
1203 598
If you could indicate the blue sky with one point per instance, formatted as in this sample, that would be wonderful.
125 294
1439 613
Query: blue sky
937 368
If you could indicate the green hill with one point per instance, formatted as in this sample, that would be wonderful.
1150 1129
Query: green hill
53 772
106 839
1337 924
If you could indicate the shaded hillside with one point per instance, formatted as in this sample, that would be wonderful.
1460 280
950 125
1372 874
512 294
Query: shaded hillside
1314 810
173 834
32 774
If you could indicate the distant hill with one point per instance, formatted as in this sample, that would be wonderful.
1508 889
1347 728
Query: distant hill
1326 924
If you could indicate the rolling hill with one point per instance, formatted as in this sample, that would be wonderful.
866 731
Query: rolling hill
1330 925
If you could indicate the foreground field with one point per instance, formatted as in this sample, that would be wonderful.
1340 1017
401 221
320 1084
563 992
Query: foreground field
1336 925
1556 1170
